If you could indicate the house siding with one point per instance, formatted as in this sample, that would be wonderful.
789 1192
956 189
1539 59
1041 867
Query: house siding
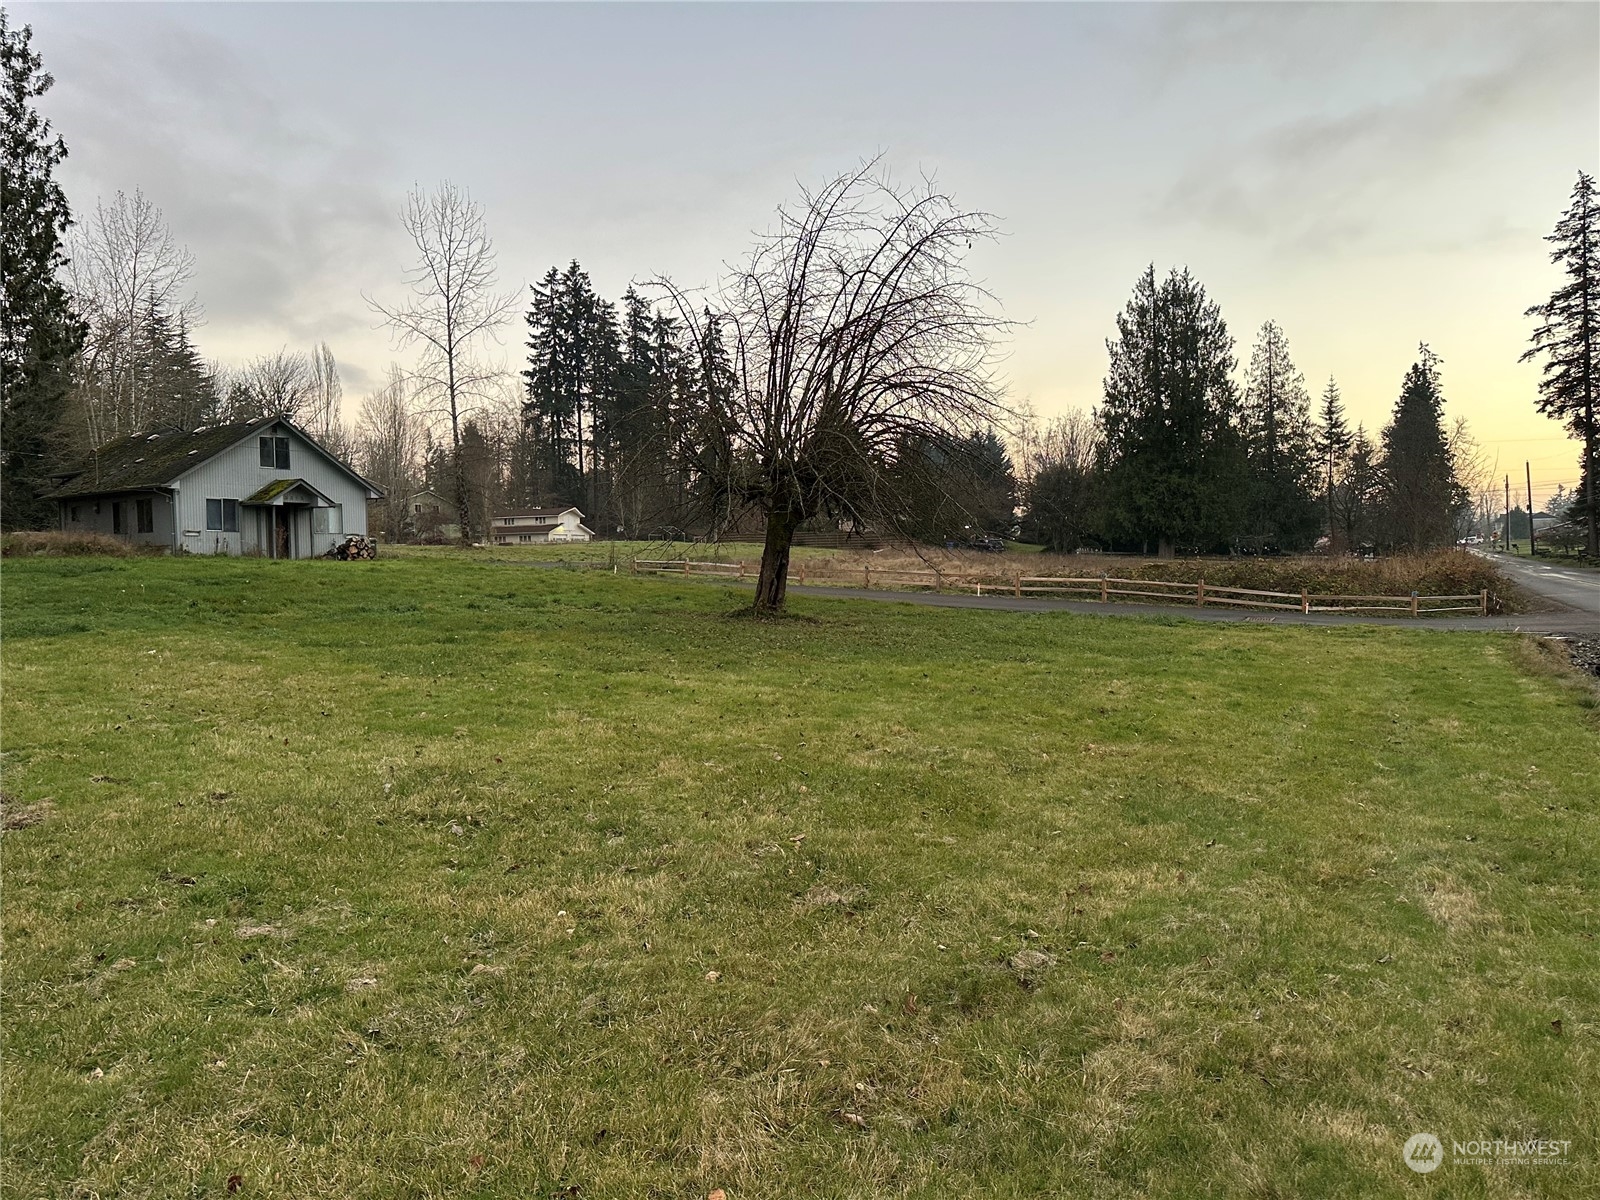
237 472
95 515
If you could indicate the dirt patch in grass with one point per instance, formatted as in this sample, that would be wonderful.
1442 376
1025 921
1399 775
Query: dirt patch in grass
15 815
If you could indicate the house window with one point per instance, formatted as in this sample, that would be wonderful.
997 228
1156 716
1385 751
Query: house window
327 520
524 537
72 514
116 516
275 453
222 515
145 515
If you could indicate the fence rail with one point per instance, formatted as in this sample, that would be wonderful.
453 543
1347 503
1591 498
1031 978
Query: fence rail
1096 587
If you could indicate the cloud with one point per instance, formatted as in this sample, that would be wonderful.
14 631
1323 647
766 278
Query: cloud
1372 170
279 205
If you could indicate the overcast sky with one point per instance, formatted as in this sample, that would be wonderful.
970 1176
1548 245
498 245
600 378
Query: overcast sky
1369 175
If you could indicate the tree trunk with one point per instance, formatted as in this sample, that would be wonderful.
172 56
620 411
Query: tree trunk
1164 548
773 585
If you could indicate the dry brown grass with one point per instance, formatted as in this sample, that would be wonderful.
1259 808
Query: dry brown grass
53 544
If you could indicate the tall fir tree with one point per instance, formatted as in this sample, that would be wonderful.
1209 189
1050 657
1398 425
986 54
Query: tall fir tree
1421 494
1358 492
39 334
1568 338
1276 420
1176 467
1333 444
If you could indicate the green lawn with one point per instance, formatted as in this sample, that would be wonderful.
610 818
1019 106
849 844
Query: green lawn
432 877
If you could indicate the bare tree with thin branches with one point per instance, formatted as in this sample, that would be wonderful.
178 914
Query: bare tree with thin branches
453 306
125 267
854 330
389 444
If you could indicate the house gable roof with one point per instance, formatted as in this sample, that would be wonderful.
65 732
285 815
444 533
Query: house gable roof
537 514
142 461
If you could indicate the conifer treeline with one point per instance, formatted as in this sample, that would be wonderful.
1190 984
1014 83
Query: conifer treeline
1182 458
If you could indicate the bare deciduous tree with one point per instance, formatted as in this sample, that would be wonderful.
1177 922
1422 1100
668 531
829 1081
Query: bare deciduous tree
323 418
280 384
1061 479
125 269
389 441
855 330
453 306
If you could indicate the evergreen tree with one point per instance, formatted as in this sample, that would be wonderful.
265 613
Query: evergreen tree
1359 491
1333 443
39 334
169 372
573 361
1276 422
1176 468
1421 494
954 488
1568 336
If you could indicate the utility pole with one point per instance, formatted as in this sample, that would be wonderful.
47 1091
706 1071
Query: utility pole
1533 546
1505 529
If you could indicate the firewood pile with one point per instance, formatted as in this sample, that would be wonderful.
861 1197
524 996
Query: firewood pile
354 546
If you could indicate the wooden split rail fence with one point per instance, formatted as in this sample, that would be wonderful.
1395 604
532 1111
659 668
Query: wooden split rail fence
1104 588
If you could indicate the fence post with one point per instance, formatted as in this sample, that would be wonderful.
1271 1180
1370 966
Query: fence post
866 577
1305 601
1104 596
1413 604
686 566
1200 594
1483 603
633 565
938 580
801 571
741 570
1019 585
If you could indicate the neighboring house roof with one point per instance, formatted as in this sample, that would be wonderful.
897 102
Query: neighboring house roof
537 514
142 461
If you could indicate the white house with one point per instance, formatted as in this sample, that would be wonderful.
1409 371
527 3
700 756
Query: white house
538 525
263 486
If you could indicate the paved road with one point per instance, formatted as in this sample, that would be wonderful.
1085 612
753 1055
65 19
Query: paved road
1577 588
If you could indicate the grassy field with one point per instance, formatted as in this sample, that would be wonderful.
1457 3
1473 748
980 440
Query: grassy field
431 877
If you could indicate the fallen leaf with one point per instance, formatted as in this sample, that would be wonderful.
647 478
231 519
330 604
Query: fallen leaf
909 1005
476 1162
235 1182
854 1120
716 1194
713 976
1556 1025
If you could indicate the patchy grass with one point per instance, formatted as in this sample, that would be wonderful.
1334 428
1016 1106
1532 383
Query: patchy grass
431 877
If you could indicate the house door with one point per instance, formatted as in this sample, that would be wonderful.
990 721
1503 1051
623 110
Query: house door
280 532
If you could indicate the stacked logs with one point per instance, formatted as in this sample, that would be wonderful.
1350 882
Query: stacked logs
354 546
